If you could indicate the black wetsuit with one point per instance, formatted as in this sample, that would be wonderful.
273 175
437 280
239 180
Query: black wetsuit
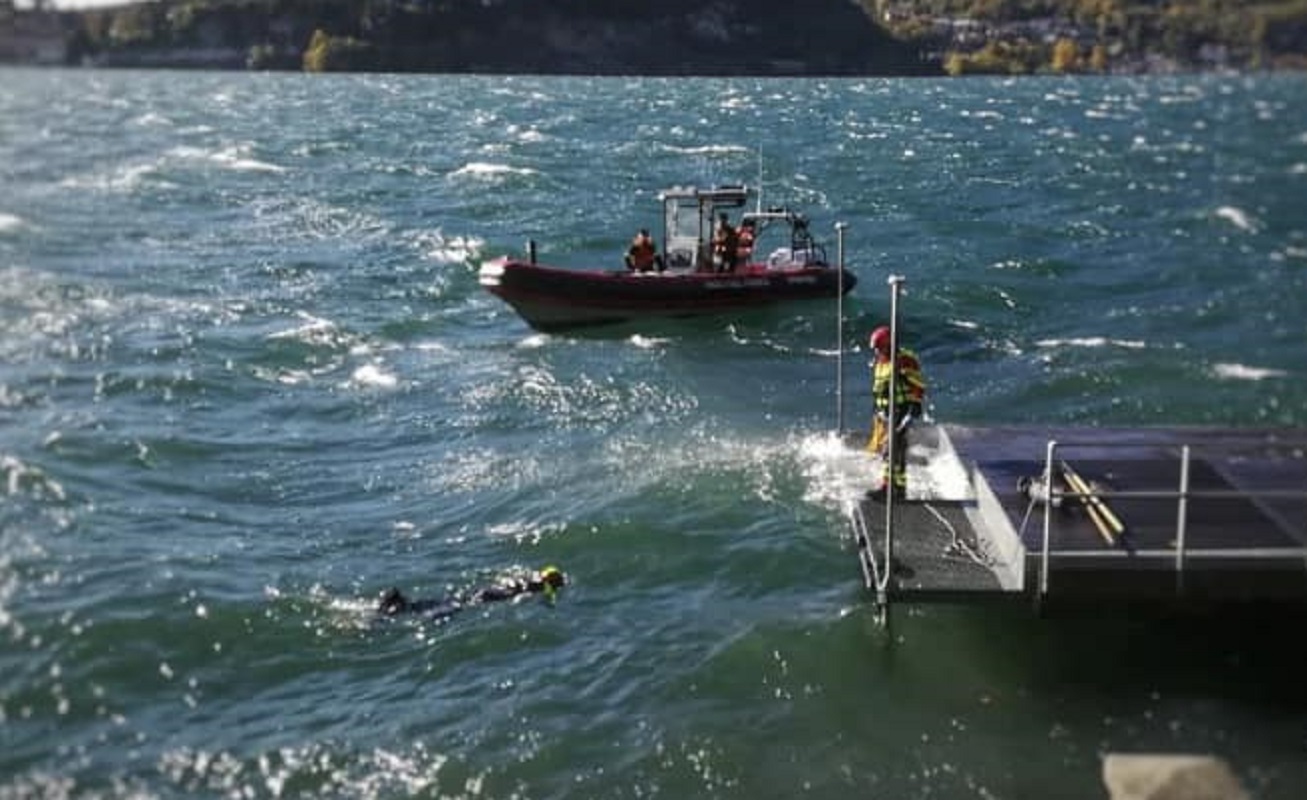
431 607
393 602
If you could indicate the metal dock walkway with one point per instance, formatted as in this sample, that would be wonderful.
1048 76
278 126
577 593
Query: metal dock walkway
1133 514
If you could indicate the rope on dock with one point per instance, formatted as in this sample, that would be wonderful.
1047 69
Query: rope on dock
958 546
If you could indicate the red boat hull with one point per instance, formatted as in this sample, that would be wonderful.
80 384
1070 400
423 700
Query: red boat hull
554 299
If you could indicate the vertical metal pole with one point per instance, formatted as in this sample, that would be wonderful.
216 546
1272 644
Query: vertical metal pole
839 333
531 250
1048 523
1181 520
895 282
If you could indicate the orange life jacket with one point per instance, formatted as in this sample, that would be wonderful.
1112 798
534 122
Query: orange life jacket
745 247
642 253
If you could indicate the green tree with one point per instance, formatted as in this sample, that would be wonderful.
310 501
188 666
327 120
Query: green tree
327 53
1066 55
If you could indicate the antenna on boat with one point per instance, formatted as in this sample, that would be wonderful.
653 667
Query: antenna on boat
839 333
758 197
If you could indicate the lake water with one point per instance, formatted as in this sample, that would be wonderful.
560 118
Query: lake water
248 380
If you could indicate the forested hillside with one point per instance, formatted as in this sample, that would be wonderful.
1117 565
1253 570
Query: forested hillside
1020 36
685 37
673 37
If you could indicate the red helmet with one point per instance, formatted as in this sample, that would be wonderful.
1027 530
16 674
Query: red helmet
880 338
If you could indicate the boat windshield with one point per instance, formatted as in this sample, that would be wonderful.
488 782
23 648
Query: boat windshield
688 217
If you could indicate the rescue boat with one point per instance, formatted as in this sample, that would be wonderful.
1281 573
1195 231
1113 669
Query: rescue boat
785 264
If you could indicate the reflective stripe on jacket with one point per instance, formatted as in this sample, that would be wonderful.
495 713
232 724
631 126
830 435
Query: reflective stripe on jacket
911 385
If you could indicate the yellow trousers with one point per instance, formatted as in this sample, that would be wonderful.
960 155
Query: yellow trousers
879 433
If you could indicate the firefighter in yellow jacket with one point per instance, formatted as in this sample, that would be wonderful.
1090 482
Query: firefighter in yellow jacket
909 400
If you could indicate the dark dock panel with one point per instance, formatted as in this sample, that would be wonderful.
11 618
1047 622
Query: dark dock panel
1220 517
1238 531
937 555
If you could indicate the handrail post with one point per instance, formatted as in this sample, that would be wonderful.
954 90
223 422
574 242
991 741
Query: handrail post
895 284
1181 520
839 331
1048 524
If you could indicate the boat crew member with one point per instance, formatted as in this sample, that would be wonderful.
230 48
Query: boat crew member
549 580
744 247
909 398
726 243
642 255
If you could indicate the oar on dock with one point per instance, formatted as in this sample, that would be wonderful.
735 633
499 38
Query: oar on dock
1109 525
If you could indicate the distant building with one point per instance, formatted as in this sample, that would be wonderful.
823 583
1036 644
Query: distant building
31 37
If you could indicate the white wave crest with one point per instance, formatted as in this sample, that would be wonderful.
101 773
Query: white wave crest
523 532
483 169
1243 372
647 342
373 376
234 158
1237 217
837 475
434 347
525 134
534 341
707 149
285 377
314 329
839 471
10 398
151 119
125 178
438 247
411 771
11 222
312 219
20 477
1092 341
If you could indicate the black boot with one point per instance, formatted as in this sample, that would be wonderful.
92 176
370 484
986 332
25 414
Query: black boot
879 493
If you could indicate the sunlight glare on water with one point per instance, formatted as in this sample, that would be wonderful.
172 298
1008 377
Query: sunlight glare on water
250 380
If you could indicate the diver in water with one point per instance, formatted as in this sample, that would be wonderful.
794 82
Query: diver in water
548 580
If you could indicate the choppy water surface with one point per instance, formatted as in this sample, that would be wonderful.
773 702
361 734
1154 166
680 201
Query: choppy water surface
248 379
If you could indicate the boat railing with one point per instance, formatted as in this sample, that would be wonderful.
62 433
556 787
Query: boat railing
1096 500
